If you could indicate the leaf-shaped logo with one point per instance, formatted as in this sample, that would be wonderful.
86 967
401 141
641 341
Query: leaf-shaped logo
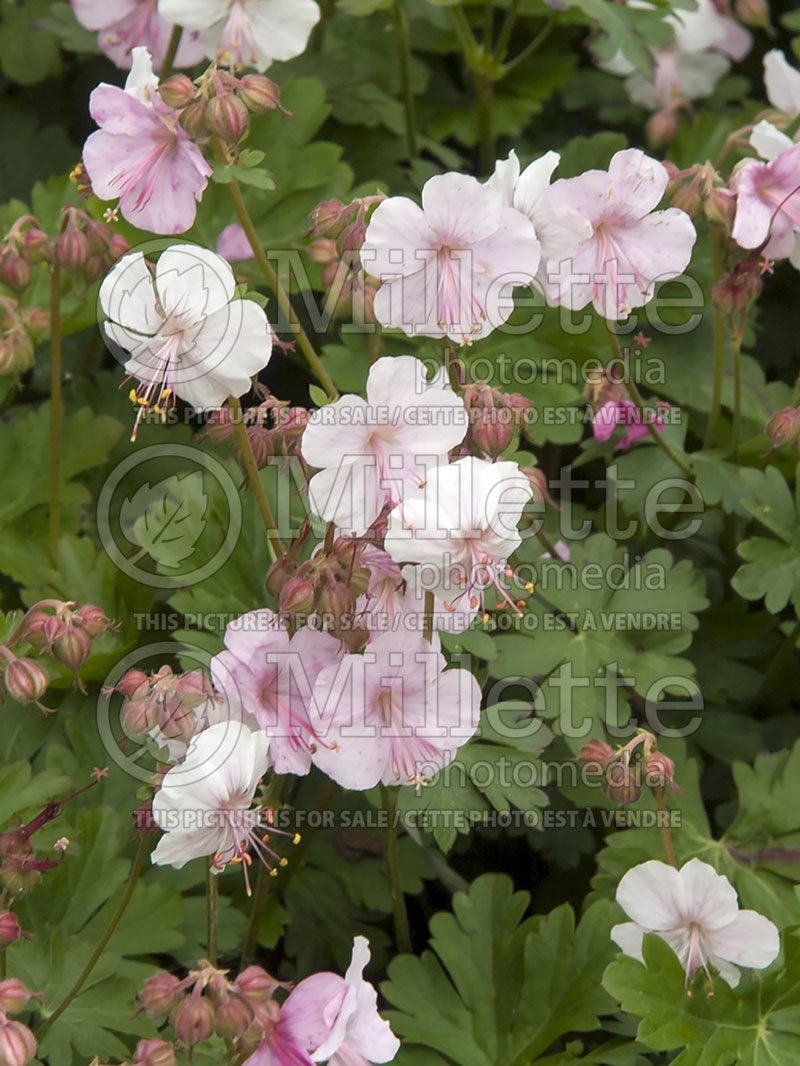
166 520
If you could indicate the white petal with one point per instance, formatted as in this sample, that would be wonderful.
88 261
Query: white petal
651 895
709 898
127 295
193 282
749 940
782 82
629 937
141 81
768 140
504 178
193 14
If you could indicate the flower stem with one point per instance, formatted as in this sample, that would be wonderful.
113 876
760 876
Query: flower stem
669 851
280 293
719 343
212 912
136 870
3 964
401 929
400 22
486 153
505 30
530 48
736 350
428 621
172 50
56 410
254 481
636 396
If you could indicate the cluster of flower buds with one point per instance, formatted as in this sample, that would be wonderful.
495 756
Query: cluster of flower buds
24 246
206 1002
734 293
704 192
323 590
59 628
494 419
339 230
87 247
217 104
783 429
274 429
626 770
20 329
168 703
153 1052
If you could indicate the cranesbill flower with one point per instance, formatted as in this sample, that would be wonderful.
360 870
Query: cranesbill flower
696 911
632 246
448 267
460 528
782 83
393 714
249 33
271 676
141 154
625 413
180 331
768 195
367 451
123 25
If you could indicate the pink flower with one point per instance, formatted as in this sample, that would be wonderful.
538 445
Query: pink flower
768 199
448 267
123 25
330 1018
632 246
368 450
393 714
141 155
233 245
271 675
624 413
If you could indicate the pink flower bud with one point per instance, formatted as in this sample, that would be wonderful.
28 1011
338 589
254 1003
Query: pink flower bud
193 120
753 13
143 821
659 770
336 602
93 620
15 272
256 985
177 91
72 250
35 245
622 784
154 1052
279 573
13 995
227 117
783 429
118 246
738 290
322 250
9 928
139 716
259 94
688 199
25 680
492 431
161 993
98 236
596 751
193 1020
297 596
73 647
720 208
17 1044
41 628
661 127
131 681
330 217
233 1017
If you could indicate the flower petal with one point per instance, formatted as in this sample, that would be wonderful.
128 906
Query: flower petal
749 940
650 894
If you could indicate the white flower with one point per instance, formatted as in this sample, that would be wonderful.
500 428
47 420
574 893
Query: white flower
696 911
461 526
181 331
782 82
251 33
367 451
203 804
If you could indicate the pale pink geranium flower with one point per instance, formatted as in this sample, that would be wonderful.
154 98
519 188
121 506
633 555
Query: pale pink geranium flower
142 155
696 911
625 413
233 244
768 196
367 451
782 82
448 267
393 714
249 33
460 528
329 1018
270 675
632 246
123 25
180 331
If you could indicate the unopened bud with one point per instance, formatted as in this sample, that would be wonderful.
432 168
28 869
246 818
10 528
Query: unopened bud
492 431
13 995
25 680
336 602
131 681
596 751
227 117
255 985
753 13
9 928
330 217
279 573
258 93
193 119
154 1052
93 620
297 596
139 716
15 272
622 784
659 770
783 429
118 246
73 647
233 1017
687 198
661 127
736 291
72 250
323 250
35 246
177 91
17 1044
193 1020
98 236
161 993
720 208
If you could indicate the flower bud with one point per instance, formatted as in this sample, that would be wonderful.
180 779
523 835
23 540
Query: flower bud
25 680
661 127
73 647
131 681
297 596
15 272
622 784
161 993
227 117
783 429
736 291
118 246
93 620
143 821
139 716
35 245
687 198
13 995
753 13
193 119
17 1044
37 320
9 928
596 751
255 985
335 602
720 208
492 431
41 629
193 1020
323 251
233 1017
330 217
659 770
72 250
279 573
259 94
98 236
154 1052
177 91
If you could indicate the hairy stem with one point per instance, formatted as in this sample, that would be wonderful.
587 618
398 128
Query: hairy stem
736 351
212 913
400 22
172 50
56 410
666 839
486 153
505 30
428 621
401 929
136 870
719 343
254 480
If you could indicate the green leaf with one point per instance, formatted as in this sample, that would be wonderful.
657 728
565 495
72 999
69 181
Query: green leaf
165 520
